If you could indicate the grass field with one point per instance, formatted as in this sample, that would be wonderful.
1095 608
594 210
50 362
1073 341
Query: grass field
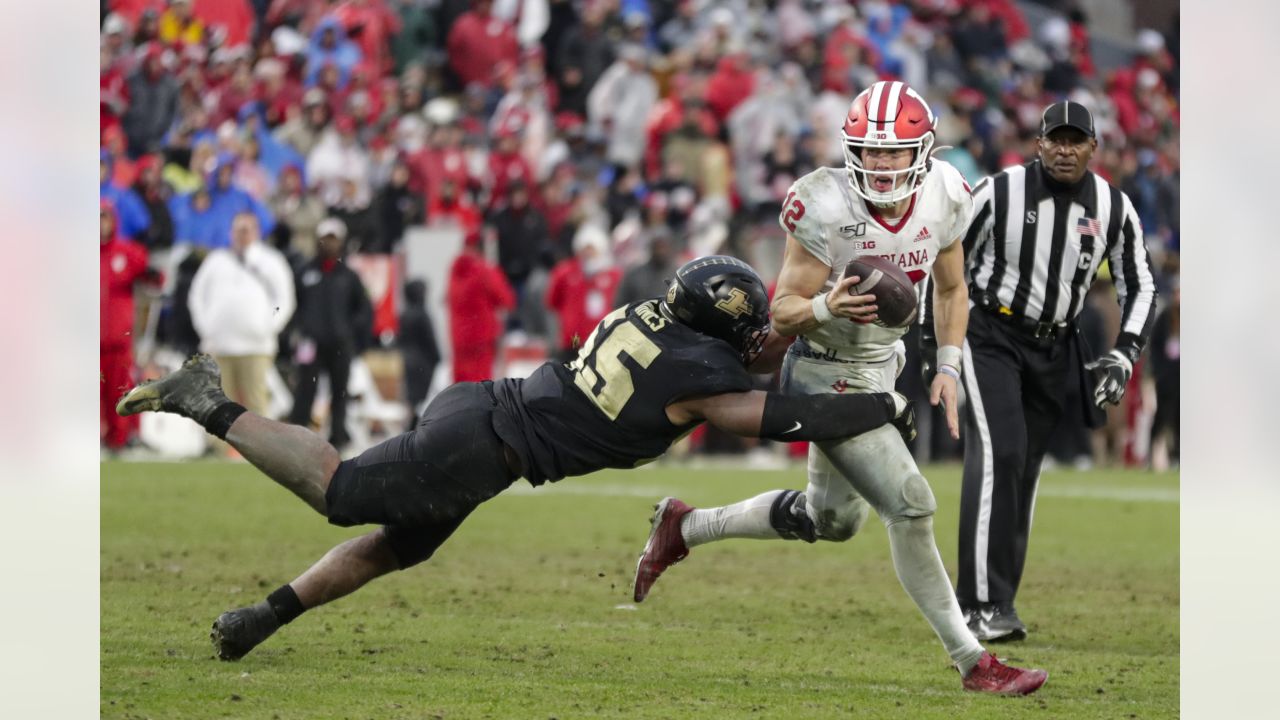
526 612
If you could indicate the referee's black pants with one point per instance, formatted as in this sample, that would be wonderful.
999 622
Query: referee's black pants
1015 387
335 360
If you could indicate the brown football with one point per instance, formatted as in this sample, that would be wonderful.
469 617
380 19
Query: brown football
894 291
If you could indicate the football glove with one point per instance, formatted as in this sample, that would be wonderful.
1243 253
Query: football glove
905 420
928 358
1111 374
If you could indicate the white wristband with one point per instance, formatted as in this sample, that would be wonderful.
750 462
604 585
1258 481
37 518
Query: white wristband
949 355
821 312
950 371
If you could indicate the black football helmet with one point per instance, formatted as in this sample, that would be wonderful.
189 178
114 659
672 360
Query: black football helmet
723 297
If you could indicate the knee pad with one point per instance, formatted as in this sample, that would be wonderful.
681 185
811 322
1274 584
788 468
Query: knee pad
789 517
916 499
841 523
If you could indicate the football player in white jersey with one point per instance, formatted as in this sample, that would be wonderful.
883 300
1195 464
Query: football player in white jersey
893 200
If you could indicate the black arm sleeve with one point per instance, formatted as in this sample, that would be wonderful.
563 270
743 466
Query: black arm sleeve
823 417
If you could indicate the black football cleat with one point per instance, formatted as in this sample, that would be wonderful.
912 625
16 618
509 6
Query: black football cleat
1004 625
193 390
995 622
236 632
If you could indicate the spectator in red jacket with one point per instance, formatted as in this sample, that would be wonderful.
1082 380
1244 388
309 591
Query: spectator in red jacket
122 263
479 42
453 206
508 167
233 19
371 24
582 288
113 93
731 83
441 160
477 293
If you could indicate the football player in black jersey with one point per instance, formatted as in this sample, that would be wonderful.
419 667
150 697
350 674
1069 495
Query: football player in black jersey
649 373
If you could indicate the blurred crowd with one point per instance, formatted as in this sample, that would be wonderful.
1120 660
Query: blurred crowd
579 148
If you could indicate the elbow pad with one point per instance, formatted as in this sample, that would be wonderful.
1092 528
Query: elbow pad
824 417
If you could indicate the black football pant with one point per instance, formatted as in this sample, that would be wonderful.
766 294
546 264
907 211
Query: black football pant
335 361
1015 389
422 484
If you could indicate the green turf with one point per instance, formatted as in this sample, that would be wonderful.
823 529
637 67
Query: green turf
526 613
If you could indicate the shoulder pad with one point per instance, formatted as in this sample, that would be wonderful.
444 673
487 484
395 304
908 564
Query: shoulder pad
959 200
956 186
813 204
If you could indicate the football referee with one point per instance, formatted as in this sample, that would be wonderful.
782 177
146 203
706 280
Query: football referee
1039 233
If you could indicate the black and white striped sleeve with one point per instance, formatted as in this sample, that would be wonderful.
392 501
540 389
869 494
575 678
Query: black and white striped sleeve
1134 283
983 223
978 232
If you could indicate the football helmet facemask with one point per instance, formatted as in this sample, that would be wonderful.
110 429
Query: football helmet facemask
724 298
888 115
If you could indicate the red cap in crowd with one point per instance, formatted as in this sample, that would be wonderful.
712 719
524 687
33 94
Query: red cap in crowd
345 124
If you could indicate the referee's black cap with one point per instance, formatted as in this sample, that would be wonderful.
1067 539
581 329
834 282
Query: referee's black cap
1067 114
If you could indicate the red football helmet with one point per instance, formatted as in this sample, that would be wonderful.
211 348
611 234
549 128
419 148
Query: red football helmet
888 115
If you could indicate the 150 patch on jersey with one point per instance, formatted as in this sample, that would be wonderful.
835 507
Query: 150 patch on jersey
855 230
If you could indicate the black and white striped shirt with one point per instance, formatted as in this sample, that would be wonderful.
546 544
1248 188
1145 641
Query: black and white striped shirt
1037 251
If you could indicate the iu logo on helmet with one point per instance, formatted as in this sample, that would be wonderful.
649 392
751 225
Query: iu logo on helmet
736 304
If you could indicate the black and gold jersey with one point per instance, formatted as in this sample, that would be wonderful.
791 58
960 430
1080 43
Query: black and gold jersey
607 408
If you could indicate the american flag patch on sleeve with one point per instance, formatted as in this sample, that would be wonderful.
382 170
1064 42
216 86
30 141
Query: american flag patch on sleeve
1089 226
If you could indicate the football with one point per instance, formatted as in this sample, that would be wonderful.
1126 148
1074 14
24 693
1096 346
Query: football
894 291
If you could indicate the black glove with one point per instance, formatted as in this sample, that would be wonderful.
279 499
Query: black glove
928 358
1111 374
905 420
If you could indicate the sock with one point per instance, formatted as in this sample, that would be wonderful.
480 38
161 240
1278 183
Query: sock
969 662
221 418
923 576
746 519
285 604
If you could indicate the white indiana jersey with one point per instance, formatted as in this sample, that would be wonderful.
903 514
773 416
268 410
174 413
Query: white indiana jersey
824 215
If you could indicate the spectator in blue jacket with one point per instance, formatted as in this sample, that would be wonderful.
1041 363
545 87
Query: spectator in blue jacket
273 154
210 225
329 44
134 218
194 221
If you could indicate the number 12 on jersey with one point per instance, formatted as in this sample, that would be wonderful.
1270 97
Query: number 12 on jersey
599 371
793 210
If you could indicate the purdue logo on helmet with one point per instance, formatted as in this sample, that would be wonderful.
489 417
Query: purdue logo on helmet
724 298
736 304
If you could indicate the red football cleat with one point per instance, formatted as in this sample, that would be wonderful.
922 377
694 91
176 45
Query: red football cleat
665 547
992 676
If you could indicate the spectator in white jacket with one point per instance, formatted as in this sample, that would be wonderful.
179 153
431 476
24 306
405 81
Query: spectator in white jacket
241 298
337 158
619 106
